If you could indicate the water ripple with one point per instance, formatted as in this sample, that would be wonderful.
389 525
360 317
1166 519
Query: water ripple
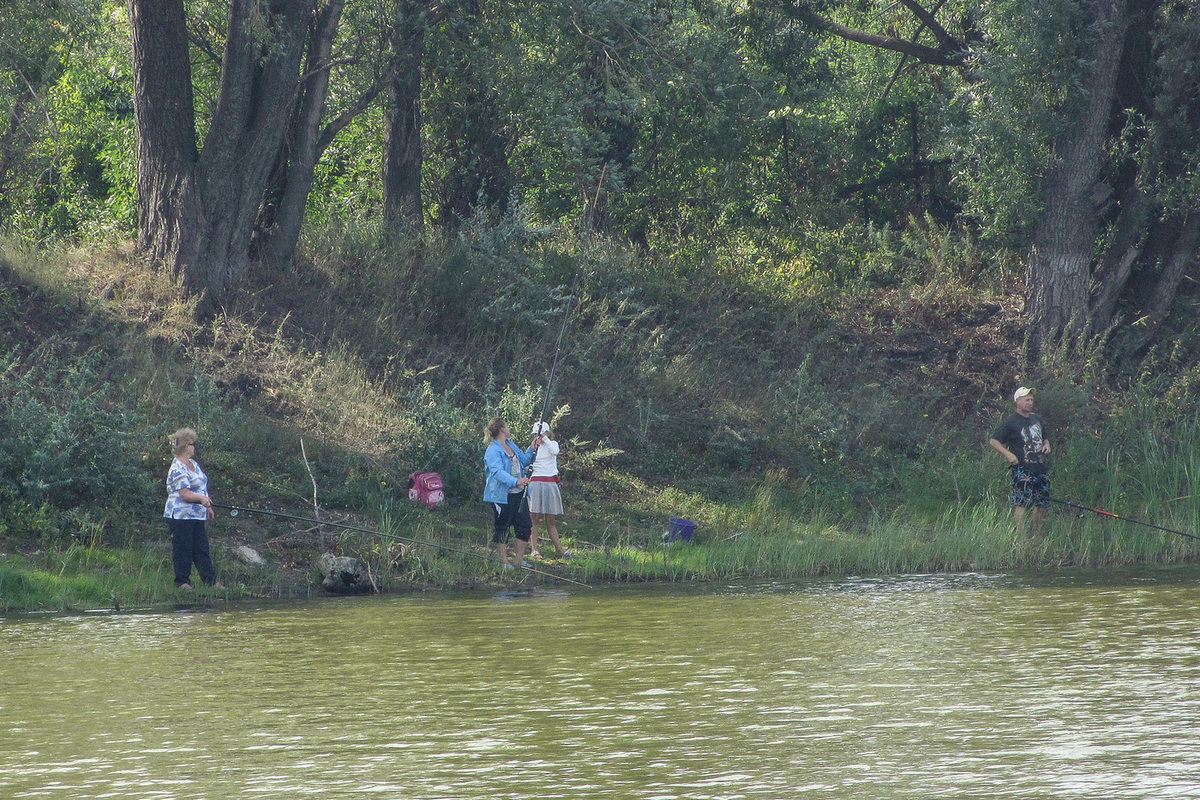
1082 685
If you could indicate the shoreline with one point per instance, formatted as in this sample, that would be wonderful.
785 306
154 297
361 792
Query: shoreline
87 580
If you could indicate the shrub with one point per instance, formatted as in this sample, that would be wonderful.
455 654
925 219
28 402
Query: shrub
66 436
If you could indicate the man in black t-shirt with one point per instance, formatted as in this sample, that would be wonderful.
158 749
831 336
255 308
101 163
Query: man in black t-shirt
1024 442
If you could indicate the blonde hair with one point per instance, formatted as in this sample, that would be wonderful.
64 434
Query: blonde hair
493 428
180 439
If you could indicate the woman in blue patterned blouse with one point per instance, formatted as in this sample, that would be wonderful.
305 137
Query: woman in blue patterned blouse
188 509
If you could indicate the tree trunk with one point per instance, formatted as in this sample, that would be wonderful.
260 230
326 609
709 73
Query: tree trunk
277 230
259 83
168 205
1113 273
1156 225
1136 338
8 153
196 212
403 156
1061 254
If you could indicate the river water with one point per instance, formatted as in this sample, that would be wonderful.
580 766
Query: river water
1076 685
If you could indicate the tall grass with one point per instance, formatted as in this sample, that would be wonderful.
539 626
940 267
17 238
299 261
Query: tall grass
982 539
810 429
81 577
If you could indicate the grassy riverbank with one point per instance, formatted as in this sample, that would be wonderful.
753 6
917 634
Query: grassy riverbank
433 552
811 426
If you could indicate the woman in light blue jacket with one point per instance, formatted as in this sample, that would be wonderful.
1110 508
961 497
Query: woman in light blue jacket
504 466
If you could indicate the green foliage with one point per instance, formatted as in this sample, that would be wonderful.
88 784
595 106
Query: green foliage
21 521
780 325
346 184
67 141
63 438
1003 136
443 437
517 299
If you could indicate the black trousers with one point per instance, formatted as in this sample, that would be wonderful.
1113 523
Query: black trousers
189 545
514 514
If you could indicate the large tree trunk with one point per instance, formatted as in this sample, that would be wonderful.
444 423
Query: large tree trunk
277 231
259 83
1060 258
402 153
1117 265
168 206
196 213
1136 338
1155 225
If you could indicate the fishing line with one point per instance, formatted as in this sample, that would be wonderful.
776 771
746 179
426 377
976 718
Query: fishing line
567 311
235 510
562 332
1104 513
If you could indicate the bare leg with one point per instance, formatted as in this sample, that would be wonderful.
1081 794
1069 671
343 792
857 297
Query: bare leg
552 528
501 553
519 556
1039 516
533 533
1019 516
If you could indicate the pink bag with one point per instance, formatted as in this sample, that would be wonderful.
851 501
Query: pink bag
426 488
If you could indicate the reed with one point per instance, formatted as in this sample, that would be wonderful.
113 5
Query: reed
970 538
81 578
668 357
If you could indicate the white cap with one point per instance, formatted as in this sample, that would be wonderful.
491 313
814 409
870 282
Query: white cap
1024 390
540 427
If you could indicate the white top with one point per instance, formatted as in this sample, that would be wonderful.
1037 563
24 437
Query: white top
180 477
545 465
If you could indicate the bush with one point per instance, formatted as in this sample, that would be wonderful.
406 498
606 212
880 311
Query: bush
67 437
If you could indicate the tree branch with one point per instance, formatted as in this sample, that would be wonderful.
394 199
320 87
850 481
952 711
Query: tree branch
954 55
947 42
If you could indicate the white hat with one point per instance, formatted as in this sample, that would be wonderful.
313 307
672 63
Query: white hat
540 427
1024 390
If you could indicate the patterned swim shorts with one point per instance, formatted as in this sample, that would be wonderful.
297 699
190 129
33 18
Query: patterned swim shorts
1029 487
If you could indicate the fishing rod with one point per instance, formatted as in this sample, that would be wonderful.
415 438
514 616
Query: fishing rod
562 331
235 510
1104 513
567 313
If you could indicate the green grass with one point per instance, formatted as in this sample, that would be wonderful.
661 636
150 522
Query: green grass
773 417
428 551
81 578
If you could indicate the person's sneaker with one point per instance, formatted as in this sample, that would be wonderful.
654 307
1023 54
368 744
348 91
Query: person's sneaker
566 554
508 565
217 585
184 586
526 564
535 554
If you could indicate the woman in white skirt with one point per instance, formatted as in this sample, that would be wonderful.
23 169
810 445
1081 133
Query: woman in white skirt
545 500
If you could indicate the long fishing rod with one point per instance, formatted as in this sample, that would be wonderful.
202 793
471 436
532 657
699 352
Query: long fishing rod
235 510
1104 513
567 313
562 332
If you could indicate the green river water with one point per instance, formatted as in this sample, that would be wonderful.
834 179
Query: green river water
1076 685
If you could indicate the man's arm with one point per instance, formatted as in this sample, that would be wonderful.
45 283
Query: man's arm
1004 451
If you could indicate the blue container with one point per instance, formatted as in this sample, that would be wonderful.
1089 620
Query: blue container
680 530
